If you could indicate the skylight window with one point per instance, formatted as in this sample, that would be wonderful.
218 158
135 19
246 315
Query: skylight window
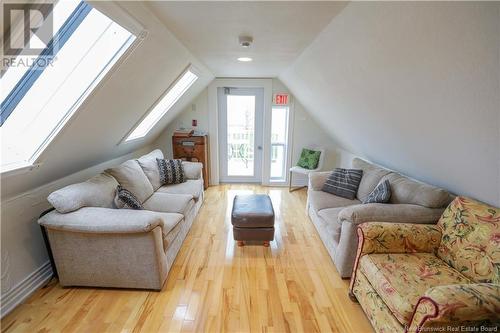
37 101
165 104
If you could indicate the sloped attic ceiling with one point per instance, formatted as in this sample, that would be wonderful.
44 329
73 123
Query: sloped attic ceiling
94 134
412 86
280 29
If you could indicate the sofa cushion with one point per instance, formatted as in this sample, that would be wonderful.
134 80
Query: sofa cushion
372 175
471 236
401 279
317 180
130 175
169 203
330 222
192 170
320 200
150 167
405 190
98 191
191 186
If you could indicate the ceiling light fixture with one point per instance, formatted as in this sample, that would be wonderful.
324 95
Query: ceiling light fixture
244 59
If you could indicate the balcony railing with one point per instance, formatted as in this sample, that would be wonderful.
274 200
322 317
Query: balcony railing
278 161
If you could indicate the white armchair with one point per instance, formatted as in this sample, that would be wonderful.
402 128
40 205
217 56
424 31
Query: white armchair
303 171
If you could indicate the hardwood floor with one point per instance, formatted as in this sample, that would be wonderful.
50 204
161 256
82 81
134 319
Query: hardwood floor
215 285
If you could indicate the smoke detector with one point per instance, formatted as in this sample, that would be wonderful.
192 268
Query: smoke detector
245 41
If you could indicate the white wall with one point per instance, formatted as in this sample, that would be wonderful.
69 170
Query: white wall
305 130
22 247
307 133
197 109
412 86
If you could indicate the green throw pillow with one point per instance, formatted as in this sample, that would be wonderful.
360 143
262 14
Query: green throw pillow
309 159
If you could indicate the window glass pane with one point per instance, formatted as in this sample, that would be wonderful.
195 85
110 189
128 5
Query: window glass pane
279 142
11 77
278 161
240 135
279 124
90 52
170 98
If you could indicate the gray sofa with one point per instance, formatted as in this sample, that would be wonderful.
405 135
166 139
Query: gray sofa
336 218
94 243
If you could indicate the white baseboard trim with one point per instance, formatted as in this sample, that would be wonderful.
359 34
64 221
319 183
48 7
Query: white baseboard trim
25 288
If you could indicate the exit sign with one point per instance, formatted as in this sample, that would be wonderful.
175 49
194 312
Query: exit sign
281 99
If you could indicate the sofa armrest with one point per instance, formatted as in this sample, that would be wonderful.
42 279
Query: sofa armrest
383 237
463 305
376 212
192 170
318 179
108 220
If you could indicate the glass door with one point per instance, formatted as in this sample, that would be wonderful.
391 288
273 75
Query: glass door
240 134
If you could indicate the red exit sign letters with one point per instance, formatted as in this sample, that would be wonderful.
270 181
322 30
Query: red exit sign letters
281 99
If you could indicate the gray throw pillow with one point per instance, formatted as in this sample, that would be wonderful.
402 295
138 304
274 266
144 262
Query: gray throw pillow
343 182
380 194
127 199
171 171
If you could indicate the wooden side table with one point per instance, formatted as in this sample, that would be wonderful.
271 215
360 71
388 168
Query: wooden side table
193 149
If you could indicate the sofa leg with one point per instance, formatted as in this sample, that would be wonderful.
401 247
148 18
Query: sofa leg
266 243
241 243
353 297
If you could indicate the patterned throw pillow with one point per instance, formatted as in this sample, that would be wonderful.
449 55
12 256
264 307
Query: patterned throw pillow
171 171
128 199
343 182
309 159
380 194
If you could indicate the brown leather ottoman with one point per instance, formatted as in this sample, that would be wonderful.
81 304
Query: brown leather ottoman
253 218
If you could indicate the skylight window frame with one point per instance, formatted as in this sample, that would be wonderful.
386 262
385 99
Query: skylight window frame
189 68
139 33
80 104
29 78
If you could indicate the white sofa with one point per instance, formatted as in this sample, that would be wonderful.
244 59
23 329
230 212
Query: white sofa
94 243
336 218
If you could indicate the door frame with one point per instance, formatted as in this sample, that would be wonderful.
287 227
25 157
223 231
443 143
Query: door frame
213 122
258 135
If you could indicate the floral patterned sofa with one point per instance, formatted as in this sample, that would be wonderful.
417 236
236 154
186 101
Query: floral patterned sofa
415 277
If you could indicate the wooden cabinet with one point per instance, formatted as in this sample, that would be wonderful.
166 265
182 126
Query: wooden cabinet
194 149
